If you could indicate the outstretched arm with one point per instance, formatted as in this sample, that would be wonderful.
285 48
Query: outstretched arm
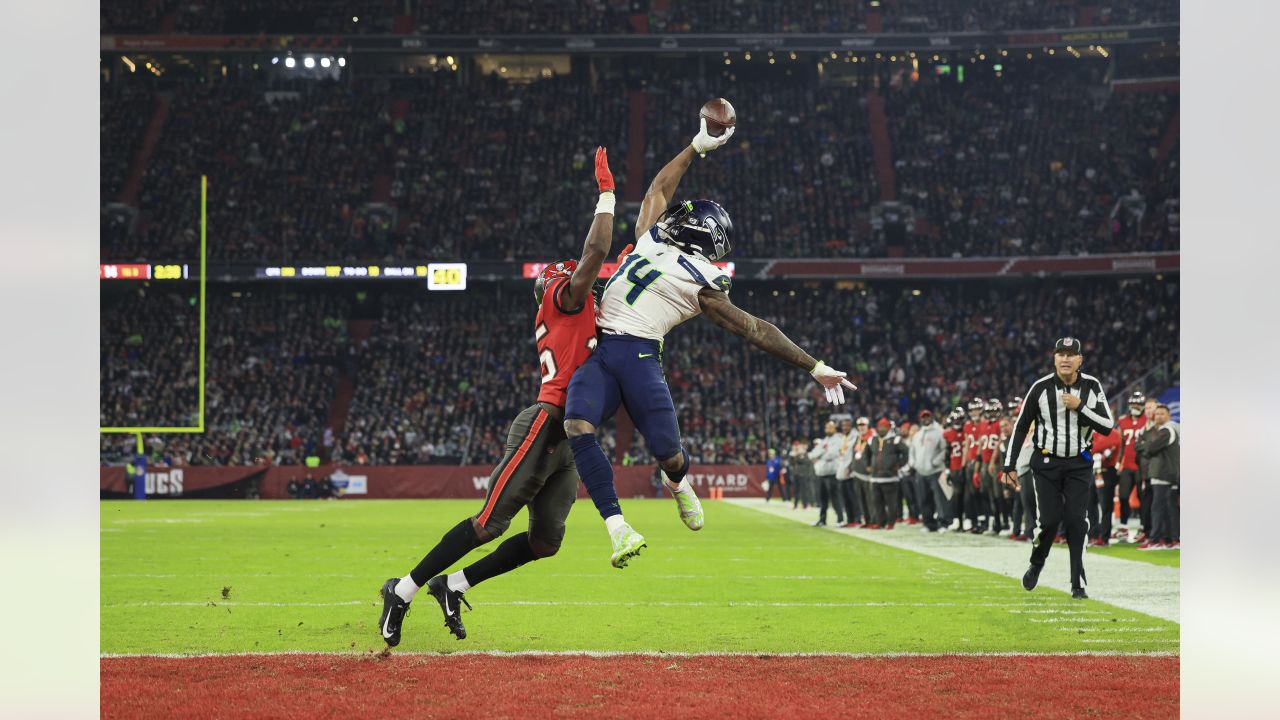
761 333
599 239
766 336
663 187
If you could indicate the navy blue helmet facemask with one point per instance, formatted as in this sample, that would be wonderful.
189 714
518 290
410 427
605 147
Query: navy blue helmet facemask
698 227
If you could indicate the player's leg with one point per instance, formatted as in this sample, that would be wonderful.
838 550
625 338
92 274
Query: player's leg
1078 492
1027 491
594 395
474 531
548 510
1047 484
648 401
1126 487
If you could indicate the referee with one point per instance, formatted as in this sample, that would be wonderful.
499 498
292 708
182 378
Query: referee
1067 407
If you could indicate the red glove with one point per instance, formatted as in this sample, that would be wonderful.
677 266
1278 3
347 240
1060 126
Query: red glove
977 482
604 178
625 252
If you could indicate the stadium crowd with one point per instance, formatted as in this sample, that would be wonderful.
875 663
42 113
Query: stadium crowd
441 375
273 358
616 16
148 352
1042 160
1039 164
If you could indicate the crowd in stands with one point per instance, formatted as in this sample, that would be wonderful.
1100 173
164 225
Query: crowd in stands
288 170
442 374
1043 159
515 17
272 362
1043 162
421 388
123 115
514 180
148 356
799 181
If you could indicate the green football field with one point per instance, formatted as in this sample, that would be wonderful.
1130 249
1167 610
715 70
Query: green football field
191 576
1130 551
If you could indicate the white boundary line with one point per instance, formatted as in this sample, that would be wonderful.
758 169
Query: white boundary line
1018 607
642 653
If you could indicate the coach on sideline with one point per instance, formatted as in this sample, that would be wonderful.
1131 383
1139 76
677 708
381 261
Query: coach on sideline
1067 407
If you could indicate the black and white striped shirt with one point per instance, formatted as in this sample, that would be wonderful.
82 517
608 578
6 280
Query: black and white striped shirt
1061 432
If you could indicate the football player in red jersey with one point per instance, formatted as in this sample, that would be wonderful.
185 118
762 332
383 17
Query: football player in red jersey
972 433
537 469
1130 427
953 478
989 470
1106 457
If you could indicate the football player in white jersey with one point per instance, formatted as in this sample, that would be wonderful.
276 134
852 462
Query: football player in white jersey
670 277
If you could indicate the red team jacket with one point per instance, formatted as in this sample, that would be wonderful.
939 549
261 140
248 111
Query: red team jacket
1130 428
955 441
565 341
1103 443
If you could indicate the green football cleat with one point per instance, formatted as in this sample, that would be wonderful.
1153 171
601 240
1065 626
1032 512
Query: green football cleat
687 502
626 545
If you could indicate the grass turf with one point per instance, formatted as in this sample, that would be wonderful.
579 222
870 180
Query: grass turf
304 575
1130 551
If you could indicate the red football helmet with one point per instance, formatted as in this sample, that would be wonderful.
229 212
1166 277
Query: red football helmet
564 268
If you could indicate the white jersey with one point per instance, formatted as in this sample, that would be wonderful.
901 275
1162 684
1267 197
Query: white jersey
655 289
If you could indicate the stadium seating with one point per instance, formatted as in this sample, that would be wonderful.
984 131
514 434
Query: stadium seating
370 171
1034 163
442 374
615 16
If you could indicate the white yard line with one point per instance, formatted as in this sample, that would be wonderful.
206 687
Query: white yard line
1130 584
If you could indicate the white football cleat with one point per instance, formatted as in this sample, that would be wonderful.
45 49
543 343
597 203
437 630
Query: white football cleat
687 501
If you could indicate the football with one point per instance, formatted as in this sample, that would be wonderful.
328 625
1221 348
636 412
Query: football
720 116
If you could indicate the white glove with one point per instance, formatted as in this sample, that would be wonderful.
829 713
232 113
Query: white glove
833 381
703 143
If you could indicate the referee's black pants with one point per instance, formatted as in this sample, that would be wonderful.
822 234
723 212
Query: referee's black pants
1063 490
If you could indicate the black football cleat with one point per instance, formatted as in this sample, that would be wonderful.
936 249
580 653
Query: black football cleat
1031 577
393 612
450 603
1079 594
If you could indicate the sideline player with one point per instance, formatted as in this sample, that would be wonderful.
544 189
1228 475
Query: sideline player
537 469
670 278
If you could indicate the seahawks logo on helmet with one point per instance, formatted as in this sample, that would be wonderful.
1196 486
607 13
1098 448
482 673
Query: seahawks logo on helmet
698 227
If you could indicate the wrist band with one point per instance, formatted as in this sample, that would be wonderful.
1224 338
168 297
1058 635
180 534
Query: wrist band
814 369
606 203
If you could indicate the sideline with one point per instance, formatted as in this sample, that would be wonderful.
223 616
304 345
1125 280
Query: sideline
1129 584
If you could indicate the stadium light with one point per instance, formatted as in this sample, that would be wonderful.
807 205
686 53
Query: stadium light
342 62
355 19
290 62
448 59
275 61
309 61
324 62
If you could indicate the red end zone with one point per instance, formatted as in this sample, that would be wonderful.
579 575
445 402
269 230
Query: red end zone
640 686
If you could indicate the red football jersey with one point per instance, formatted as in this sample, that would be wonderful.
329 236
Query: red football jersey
565 341
955 441
970 435
993 439
1130 428
1103 443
